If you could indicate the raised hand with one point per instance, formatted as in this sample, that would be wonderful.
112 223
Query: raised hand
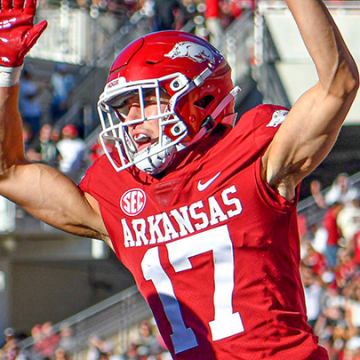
17 31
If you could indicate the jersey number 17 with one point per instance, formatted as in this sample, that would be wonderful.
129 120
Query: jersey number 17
226 323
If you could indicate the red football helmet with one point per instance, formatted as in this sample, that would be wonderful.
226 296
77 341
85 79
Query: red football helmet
191 73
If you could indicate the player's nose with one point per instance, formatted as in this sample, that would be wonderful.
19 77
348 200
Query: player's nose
133 114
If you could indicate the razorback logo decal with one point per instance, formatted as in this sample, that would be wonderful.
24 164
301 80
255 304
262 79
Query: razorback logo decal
192 51
277 118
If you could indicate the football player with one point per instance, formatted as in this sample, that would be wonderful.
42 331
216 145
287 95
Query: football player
203 213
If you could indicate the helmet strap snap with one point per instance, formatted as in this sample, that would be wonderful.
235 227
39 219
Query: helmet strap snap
208 123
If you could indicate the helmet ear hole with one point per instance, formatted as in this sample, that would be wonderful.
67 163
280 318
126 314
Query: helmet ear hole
204 102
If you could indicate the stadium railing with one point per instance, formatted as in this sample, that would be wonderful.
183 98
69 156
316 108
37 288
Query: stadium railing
115 316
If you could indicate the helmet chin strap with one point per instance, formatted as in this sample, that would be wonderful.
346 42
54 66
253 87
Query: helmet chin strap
225 102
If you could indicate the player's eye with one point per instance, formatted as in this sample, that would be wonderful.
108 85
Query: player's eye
122 110
122 104
150 101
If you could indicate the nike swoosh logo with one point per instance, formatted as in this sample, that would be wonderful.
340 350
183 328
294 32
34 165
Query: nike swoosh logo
202 186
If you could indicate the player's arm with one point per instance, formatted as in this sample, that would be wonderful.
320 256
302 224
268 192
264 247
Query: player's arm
38 188
313 123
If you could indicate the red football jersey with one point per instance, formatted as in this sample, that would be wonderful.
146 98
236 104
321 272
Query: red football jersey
213 249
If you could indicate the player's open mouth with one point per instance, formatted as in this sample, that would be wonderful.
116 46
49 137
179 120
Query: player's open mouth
142 141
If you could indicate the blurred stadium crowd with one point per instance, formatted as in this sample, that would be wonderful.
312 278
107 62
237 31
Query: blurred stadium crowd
330 268
145 344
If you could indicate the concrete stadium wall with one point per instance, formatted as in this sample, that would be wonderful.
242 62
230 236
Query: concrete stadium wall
295 67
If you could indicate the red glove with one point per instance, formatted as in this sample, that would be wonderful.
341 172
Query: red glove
17 31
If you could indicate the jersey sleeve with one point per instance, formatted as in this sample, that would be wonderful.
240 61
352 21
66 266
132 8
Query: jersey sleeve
85 183
260 125
263 122
270 196
95 185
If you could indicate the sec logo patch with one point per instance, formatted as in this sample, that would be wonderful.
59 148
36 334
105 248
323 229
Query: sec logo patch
133 202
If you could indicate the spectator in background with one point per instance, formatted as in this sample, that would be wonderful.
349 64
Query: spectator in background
72 151
348 221
334 233
352 306
60 354
330 319
130 353
213 22
313 259
236 7
345 270
55 134
313 293
166 14
62 83
97 150
29 103
355 247
98 348
9 334
11 350
231 10
49 340
44 148
148 339
319 238
27 135
315 189
352 349
341 191
67 341
37 337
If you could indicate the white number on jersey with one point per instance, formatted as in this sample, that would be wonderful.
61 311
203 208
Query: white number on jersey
218 241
